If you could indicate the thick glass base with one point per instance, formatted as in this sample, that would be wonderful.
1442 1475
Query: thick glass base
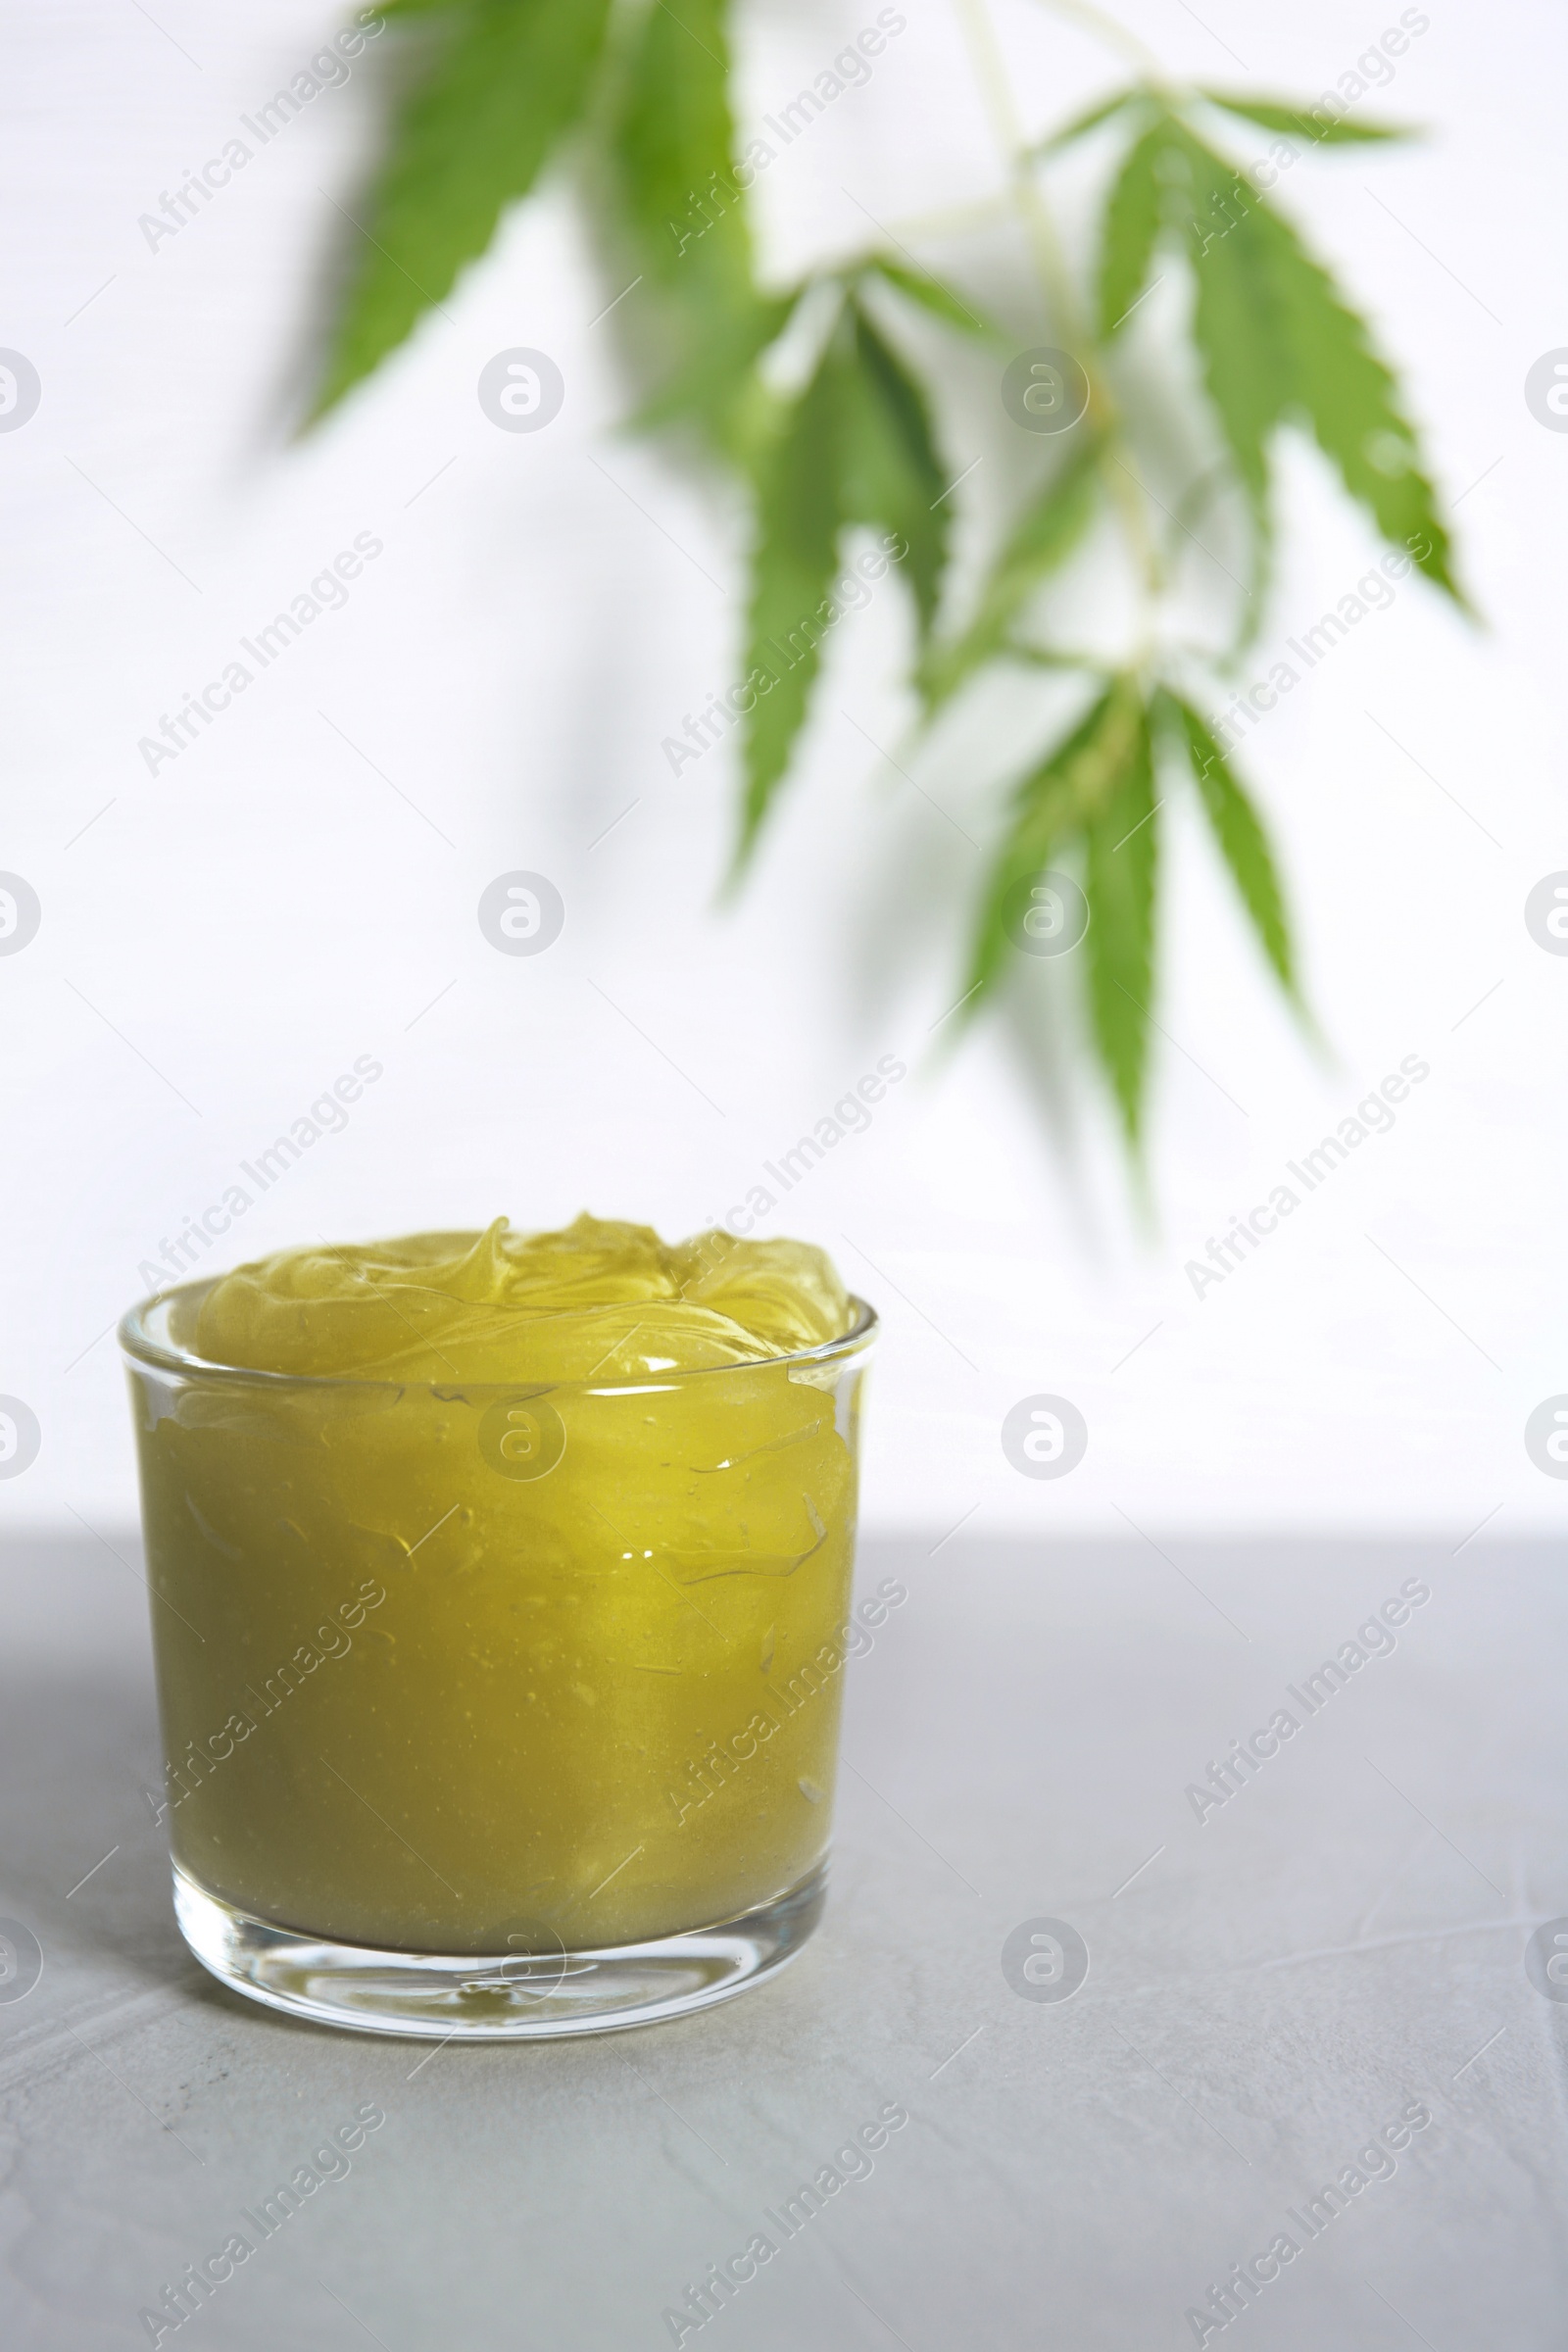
509 1996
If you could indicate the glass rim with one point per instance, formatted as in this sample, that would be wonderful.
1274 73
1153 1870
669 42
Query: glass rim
139 1348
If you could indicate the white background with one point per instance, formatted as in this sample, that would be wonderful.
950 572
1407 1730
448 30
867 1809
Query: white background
278 901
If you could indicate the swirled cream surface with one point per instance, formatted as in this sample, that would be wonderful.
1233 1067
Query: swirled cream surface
597 1299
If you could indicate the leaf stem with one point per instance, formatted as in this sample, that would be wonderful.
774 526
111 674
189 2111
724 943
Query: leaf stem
1115 37
995 90
1060 297
956 221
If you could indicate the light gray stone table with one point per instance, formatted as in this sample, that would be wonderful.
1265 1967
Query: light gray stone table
1269 1987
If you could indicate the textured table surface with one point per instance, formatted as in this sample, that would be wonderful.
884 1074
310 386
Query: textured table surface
1341 1940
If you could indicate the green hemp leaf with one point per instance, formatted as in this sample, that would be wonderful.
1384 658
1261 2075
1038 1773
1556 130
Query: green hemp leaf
1239 831
502 81
828 405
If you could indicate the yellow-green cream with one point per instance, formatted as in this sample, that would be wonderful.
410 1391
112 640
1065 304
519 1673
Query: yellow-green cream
515 1611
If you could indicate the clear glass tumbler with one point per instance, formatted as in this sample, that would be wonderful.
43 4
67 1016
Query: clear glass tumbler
496 1711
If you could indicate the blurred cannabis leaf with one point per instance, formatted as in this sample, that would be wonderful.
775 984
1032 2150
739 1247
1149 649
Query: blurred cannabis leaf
492 90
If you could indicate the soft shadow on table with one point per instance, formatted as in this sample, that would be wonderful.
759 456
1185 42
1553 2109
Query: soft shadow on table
79 1777
84 1857
78 1752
